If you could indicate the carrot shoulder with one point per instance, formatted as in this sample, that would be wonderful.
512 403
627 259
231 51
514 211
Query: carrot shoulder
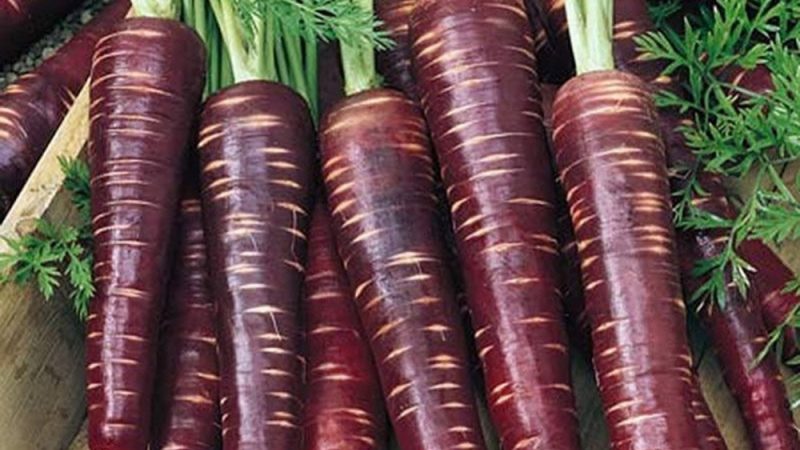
147 79
379 176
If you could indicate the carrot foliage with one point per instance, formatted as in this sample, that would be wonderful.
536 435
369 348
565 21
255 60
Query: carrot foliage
277 39
736 132
57 255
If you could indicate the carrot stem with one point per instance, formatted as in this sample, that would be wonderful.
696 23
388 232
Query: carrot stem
358 61
591 24
165 9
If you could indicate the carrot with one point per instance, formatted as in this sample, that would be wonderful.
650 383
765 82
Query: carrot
379 176
632 19
344 406
626 247
24 21
574 302
611 162
32 108
395 63
147 78
256 150
476 75
186 409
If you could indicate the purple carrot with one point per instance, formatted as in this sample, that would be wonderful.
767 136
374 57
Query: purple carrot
257 165
186 412
395 63
147 79
24 21
477 80
344 405
379 175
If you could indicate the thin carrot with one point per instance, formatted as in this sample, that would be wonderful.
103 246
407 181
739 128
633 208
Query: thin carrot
186 413
344 405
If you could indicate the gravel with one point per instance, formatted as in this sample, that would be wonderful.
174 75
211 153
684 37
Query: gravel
48 45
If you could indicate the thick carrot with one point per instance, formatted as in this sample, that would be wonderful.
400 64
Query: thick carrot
147 79
395 64
611 161
476 76
186 413
574 301
344 405
24 21
32 108
379 175
257 159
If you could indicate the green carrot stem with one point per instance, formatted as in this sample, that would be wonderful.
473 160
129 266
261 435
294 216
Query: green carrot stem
358 61
282 62
165 9
246 57
591 25
311 71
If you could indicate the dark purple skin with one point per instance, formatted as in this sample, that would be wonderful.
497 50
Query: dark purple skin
344 404
379 175
613 169
33 107
256 145
140 128
186 412
395 64
24 21
476 75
